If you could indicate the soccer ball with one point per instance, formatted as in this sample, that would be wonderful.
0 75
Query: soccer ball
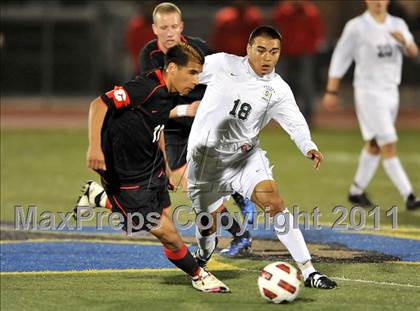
279 282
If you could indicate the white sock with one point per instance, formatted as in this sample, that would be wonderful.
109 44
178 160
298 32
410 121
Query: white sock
293 239
368 163
307 268
206 244
396 173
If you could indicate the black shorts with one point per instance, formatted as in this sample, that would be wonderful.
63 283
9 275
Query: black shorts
176 151
141 204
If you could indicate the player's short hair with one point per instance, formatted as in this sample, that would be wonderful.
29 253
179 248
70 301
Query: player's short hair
264 31
182 53
166 8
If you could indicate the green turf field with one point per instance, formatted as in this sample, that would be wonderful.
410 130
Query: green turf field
46 168
386 289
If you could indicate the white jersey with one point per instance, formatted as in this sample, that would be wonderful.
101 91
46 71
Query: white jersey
377 55
238 103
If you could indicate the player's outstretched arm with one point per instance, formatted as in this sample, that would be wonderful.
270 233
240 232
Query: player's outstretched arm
317 157
95 158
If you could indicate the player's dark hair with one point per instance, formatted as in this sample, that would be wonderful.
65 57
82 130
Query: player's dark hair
182 53
264 31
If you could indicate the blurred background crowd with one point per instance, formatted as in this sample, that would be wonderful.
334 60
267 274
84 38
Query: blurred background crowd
83 47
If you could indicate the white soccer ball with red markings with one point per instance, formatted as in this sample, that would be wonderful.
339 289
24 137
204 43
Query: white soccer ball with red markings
279 282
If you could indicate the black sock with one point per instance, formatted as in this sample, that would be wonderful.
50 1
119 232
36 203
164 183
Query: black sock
235 228
239 200
183 260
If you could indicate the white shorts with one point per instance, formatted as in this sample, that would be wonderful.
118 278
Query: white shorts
377 111
213 176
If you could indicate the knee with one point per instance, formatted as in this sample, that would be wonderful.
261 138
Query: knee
389 150
274 204
372 147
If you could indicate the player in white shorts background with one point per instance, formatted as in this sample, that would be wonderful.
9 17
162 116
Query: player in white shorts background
243 94
376 42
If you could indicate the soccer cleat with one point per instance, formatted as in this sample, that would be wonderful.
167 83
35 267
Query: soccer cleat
238 247
412 203
250 209
360 200
318 280
206 282
91 196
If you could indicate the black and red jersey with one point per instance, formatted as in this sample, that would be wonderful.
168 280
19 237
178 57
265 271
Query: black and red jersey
152 57
137 113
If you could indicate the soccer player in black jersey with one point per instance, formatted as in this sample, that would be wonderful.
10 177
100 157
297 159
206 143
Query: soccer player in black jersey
124 129
168 27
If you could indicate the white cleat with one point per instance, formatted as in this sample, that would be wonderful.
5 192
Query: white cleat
208 283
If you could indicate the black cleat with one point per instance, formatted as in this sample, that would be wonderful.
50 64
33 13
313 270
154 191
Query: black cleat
360 200
412 202
318 280
238 247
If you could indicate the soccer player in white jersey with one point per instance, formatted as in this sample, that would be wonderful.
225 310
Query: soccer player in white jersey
376 42
243 94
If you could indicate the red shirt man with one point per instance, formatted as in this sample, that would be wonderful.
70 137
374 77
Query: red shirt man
232 26
139 32
301 26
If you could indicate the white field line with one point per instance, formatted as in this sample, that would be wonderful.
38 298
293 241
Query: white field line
374 282
342 278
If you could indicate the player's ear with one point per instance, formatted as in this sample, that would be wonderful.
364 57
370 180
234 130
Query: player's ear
248 48
154 27
181 27
171 68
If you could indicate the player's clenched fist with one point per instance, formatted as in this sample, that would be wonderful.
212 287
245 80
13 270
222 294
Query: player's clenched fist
95 159
316 156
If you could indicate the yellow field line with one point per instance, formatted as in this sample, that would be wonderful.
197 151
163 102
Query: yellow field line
89 271
214 265
69 239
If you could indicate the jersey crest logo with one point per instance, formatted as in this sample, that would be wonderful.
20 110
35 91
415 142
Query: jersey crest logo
268 92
